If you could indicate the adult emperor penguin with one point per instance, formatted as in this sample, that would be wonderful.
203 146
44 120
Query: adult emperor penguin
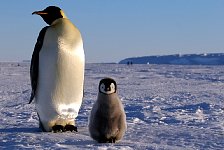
107 121
57 72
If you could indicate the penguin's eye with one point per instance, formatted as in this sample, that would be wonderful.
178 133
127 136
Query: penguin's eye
102 87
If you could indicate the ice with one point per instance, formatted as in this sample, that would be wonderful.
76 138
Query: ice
178 59
167 106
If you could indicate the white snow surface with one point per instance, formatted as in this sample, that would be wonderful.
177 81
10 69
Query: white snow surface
169 107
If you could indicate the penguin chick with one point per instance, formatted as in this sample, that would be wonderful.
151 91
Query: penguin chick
107 121
57 72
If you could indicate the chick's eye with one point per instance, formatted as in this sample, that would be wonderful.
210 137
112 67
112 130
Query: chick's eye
102 87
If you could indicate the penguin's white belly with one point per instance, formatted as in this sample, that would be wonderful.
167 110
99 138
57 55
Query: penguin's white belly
60 85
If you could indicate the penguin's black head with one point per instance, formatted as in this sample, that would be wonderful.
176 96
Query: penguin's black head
50 14
107 86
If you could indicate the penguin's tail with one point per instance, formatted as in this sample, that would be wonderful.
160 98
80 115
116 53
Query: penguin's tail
31 97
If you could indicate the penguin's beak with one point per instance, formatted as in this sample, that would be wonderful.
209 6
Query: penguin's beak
39 13
108 89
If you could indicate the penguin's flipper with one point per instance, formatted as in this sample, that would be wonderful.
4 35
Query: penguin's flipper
35 62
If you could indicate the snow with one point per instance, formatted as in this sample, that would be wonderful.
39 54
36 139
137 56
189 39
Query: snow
179 59
167 106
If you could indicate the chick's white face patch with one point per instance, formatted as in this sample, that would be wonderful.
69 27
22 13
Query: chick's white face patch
112 88
109 89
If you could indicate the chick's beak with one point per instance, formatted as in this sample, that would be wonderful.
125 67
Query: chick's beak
39 13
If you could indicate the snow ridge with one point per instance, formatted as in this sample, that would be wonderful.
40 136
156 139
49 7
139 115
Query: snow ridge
187 59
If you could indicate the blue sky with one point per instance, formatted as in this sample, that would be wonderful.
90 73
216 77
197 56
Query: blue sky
116 29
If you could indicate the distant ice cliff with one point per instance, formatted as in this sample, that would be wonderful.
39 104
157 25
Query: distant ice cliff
188 59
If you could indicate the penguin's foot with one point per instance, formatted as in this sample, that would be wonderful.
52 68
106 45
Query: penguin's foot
71 128
112 140
105 140
57 128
